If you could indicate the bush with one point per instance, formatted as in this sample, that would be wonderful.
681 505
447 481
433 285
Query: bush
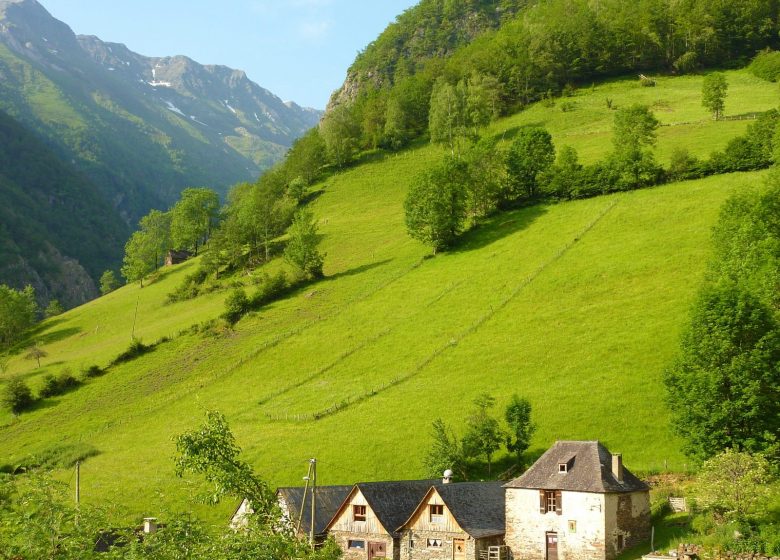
766 65
59 385
136 348
92 371
236 305
272 288
191 287
17 396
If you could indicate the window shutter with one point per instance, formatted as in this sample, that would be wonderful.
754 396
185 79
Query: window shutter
542 502
558 502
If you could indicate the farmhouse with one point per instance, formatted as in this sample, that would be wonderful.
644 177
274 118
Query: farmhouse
455 521
366 525
577 502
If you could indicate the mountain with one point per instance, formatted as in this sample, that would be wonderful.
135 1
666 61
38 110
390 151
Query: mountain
430 29
140 128
57 233
109 134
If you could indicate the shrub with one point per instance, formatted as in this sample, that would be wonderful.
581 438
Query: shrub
236 305
272 288
92 371
766 65
644 81
136 348
190 288
59 385
17 396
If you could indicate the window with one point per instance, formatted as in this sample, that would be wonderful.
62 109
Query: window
435 543
549 497
436 513
358 545
572 526
358 513
550 501
563 468
621 542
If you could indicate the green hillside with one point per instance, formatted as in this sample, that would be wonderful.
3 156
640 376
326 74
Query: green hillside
577 306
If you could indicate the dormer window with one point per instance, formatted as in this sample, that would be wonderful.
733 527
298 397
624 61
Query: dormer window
565 463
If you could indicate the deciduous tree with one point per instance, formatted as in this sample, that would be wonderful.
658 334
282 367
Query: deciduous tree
724 389
193 217
108 282
435 206
446 452
18 311
735 484
530 155
633 138
521 428
713 93
483 434
301 250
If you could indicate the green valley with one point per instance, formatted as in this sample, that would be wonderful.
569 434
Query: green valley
577 306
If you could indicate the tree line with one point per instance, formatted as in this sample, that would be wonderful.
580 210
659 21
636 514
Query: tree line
528 53
482 175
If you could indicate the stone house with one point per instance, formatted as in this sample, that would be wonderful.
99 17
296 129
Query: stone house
455 521
577 502
366 525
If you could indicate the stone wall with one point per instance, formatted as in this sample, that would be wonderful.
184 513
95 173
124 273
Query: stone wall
627 518
342 539
580 526
414 545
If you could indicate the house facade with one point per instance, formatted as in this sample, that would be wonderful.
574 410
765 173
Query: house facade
577 502
455 521
365 526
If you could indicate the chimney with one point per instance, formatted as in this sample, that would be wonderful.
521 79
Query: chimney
150 525
447 477
617 466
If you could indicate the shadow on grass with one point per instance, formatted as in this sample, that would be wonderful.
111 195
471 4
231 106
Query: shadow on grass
511 133
43 333
357 270
499 226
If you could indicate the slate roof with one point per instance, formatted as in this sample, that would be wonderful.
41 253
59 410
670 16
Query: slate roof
478 507
329 499
392 502
589 470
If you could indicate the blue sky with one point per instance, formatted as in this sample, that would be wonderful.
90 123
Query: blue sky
298 49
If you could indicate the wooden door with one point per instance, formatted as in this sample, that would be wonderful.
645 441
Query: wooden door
458 549
377 550
552 546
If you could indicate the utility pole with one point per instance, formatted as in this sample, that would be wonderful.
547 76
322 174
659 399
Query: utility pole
313 463
78 489
307 478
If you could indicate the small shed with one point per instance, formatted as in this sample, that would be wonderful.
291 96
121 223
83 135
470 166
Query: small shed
455 521
173 256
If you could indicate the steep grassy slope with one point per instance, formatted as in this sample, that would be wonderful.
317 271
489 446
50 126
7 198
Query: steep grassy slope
577 306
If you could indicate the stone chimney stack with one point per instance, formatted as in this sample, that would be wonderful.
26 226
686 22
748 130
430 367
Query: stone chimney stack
617 466
447 477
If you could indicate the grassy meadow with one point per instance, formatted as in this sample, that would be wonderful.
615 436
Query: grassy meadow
577 306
